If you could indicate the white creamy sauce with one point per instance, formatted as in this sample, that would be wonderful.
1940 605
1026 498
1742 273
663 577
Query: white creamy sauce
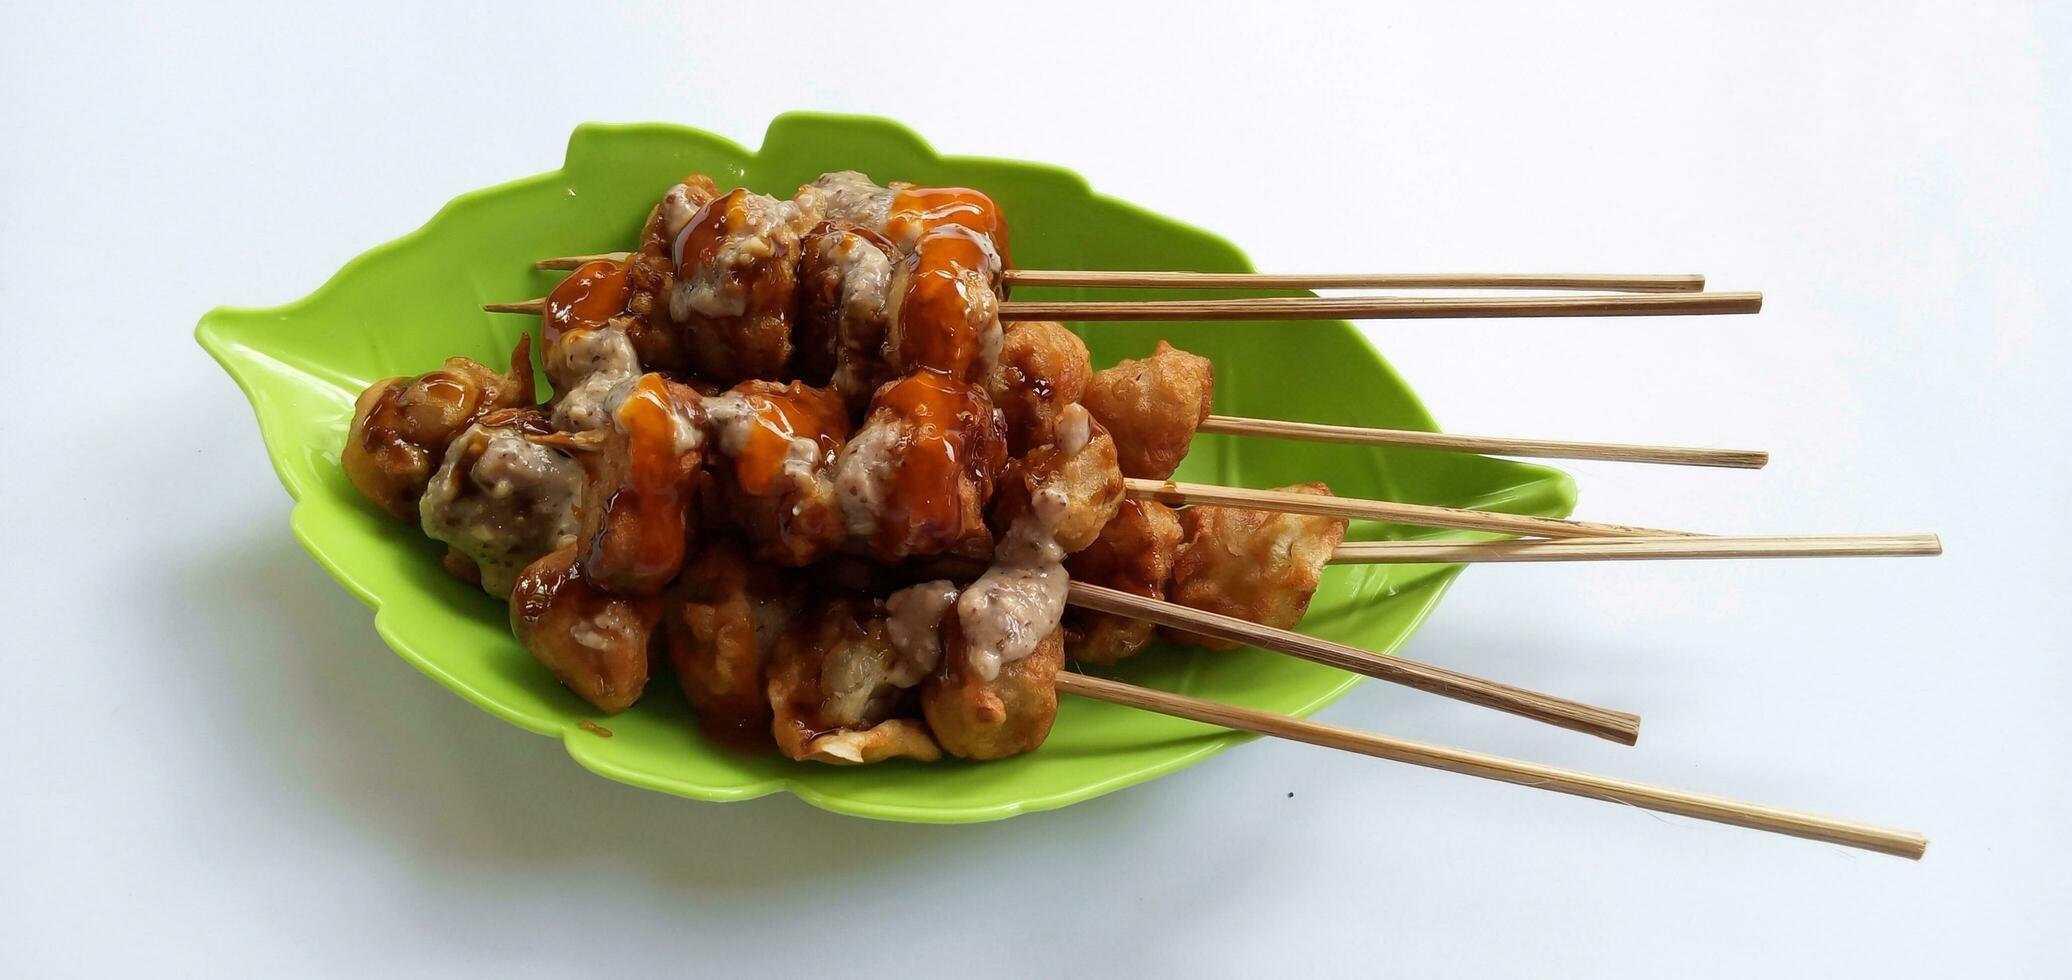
610 628
1008 611
849 196
913 622
677 211
865 301
734 421
516 502
863 473
1074 430
866 278
597 360
1017 602
685 435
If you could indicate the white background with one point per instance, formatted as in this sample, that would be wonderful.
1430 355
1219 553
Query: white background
214 766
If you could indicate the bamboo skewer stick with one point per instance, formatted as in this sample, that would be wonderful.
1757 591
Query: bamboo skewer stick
572 262
1618 726
1351 307
1268 280
1160 279
1490 445
1419 515
1637 549
1902 843
1385 307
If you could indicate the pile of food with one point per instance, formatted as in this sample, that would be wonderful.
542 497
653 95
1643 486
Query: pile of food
793 447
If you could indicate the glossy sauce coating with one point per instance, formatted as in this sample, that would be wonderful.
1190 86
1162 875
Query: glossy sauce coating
595 643
949 307
640 486
780 416
920 210
922 469
588 299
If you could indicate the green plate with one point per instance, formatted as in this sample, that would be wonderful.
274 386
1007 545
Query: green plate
404 306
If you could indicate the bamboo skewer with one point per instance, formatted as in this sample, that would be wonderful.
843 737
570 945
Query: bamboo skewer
1385 307
572 262
1902 843
1637 549
1160 279
1618 726
1598 282
1351 307
1489 445
1419 515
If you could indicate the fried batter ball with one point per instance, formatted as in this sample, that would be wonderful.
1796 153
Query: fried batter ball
832 692
500 501
781 441
948 316
916 477
1072 486
1253 564
1043 368
723 617
736 263
845 283
976 718
651 275
640 475
1134 553
595 643
402 426
1152 407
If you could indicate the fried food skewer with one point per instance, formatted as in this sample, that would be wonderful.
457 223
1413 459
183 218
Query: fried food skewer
1597 282
1175 494
1901 843
1617 726
1353 435
1638 549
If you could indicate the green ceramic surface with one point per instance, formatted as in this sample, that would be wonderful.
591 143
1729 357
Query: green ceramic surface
403 307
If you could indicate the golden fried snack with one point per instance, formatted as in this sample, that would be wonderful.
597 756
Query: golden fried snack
1253 564
736 263
651 275
976 718
595 643
1043 368
640 475
500 500
949 306
402 426
845 309
915 478
833 694
723 617
778 444
1071 487
1152 407
1134 553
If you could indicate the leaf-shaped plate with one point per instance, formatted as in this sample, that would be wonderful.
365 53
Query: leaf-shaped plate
404 306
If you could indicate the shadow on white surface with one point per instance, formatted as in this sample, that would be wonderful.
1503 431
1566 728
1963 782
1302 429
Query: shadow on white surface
350 731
